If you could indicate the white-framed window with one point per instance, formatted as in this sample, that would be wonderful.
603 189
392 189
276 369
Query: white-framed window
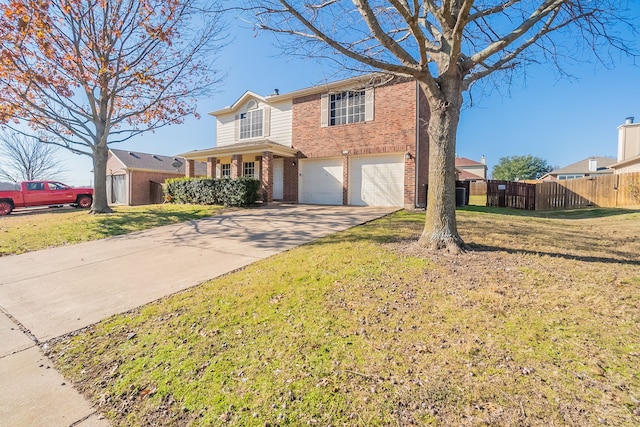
352 106
225 170
251 124
249 169
564 177
254 122
346 107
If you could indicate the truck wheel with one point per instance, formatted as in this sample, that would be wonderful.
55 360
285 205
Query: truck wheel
84 202
5 208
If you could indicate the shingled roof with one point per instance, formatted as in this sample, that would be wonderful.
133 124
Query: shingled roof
134 160
582 167
463 161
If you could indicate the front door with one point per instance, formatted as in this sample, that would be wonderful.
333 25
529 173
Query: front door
278 179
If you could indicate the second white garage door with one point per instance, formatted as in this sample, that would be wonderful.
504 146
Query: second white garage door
321 181
377 181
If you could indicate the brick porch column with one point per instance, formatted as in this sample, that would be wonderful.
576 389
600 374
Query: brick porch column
410 197
211 167
345 180
236 166
190 168
266 176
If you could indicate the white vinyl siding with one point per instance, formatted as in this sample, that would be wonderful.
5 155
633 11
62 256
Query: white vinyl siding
277 126
281 126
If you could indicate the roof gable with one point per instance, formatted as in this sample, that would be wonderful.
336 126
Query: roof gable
246 97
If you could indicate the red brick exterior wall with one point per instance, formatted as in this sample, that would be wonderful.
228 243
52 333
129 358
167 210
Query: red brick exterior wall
236 166
190 168
423 148
211 167
290 179
266 176
139 184
394 129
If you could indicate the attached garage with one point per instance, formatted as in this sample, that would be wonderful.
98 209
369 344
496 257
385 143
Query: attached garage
377 180
320 181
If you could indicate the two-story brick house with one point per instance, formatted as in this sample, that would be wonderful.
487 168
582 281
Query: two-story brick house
360 141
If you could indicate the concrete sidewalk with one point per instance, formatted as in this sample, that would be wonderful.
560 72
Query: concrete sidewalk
49 293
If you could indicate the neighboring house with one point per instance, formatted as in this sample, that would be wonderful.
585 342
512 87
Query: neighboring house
135 178
360 141
470 170
592 166
628 147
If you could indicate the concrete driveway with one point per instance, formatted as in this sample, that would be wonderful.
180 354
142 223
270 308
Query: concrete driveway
49 293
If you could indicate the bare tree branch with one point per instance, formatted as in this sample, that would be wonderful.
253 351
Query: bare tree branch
90 73
448 46
26 159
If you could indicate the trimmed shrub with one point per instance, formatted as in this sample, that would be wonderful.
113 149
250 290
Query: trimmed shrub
241 191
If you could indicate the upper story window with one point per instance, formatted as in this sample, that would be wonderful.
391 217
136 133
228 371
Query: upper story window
346 107
251 124
353 106
254 122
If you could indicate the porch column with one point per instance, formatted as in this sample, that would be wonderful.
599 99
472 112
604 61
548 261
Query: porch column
236 166
211 167
266 176
190 168
345 179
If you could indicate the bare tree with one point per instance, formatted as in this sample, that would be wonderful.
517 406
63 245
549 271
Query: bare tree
448 46
27 159
88 73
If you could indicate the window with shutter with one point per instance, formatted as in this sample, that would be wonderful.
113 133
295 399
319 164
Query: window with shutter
251 124
346 107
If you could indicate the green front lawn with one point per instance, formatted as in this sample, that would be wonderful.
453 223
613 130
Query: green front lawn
537 326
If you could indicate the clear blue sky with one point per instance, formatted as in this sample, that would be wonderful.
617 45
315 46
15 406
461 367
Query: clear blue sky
559 120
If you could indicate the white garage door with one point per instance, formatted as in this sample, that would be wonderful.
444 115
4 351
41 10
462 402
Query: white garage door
320 181
377 181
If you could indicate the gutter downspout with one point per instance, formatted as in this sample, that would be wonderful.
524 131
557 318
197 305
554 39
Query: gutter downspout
130 179
416 200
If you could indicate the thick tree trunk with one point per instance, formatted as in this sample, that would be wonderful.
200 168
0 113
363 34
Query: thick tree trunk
100 153
440 228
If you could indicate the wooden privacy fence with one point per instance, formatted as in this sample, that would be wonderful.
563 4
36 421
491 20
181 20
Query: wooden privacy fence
603 191
607 191
478 188
509 194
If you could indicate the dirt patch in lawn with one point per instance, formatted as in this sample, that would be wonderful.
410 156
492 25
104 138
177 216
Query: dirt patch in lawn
539 325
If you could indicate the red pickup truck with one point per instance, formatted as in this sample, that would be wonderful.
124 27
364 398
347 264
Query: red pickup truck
44 193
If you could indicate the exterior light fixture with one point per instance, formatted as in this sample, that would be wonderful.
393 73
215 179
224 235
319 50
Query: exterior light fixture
408 156
345 152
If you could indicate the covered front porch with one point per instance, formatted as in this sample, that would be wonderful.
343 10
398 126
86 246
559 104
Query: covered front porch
274 165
